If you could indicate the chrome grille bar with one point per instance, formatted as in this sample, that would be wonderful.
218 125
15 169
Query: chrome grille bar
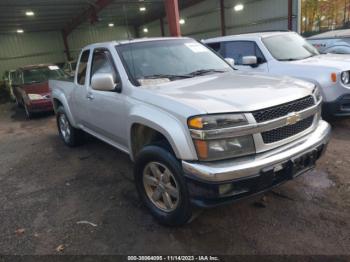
252 128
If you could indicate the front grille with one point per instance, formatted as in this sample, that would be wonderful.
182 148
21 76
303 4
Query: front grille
283 110
284 132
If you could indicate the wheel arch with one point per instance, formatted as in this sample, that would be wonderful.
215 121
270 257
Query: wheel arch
58 100
163 126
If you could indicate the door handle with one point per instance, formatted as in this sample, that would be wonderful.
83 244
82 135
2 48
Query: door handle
89 96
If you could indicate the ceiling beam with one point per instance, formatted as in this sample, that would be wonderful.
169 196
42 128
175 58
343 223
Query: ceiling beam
89 14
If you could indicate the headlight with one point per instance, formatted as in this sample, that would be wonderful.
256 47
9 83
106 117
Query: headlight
217 148
217 121
35 97
317 94
345 77
224 148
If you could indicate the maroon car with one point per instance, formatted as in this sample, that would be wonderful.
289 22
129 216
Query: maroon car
31 87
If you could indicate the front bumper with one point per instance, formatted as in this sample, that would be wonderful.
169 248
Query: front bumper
43 105
219 182
339 107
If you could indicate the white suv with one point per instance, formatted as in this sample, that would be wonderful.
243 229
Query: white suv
287 53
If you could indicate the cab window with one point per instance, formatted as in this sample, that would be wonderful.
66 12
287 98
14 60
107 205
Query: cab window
238 49
81 74
102 63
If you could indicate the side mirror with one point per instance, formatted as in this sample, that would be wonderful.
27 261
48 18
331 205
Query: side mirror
250 60
103 82
231 61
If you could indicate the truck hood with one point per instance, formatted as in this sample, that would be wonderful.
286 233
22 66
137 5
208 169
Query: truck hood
229 92
331 61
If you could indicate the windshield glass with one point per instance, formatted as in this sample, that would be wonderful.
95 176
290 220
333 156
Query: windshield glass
42 74
289 47
170 60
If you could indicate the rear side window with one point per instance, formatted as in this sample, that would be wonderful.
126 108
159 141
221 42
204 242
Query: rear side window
238 49
81 77
12 75
17 80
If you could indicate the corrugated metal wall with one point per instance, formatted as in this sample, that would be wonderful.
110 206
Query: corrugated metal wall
47 47
203 19
30 48
93 34
258 16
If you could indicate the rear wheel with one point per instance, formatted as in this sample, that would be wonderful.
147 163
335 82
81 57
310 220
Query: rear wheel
161 185
70 135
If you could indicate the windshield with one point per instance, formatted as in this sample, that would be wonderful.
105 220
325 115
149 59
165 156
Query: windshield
42 74
289 47
170 60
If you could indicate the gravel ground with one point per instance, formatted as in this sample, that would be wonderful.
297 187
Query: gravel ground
48 190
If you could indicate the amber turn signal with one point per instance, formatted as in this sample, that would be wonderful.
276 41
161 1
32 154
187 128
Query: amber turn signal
195 122
202 149
334 77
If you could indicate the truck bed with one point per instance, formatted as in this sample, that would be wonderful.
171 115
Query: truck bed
62 87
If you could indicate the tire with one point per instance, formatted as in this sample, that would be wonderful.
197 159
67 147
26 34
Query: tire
71 136
12 95
18 104
29 114
164 185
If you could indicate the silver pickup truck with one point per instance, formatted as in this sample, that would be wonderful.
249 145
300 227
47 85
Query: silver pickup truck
200 133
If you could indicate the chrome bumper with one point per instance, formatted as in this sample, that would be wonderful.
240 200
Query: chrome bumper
228 170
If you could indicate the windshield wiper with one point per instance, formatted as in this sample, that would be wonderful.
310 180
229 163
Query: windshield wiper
291 59
297 59
206 71
157 76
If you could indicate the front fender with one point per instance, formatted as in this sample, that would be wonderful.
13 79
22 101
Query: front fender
170 127
63 100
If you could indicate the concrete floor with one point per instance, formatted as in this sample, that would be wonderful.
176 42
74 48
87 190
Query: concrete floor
46 188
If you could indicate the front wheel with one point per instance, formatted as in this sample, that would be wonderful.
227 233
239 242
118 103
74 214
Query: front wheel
161 185
70 135
29 114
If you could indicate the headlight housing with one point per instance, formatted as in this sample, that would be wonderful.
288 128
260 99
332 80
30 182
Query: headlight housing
209 122
317 94
35 97
219 148
210 150
345 78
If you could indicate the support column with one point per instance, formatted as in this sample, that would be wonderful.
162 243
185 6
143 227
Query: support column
66 47
222 17
172 12
290 15
161 22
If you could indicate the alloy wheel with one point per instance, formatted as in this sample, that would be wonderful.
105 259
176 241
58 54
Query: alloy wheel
161 186
64 127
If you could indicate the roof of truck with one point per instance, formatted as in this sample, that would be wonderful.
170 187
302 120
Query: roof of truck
332 34
248 36
137 40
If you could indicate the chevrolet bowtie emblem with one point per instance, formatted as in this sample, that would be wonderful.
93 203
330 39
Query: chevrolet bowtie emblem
293 118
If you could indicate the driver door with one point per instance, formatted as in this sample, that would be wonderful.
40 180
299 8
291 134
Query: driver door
107 108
